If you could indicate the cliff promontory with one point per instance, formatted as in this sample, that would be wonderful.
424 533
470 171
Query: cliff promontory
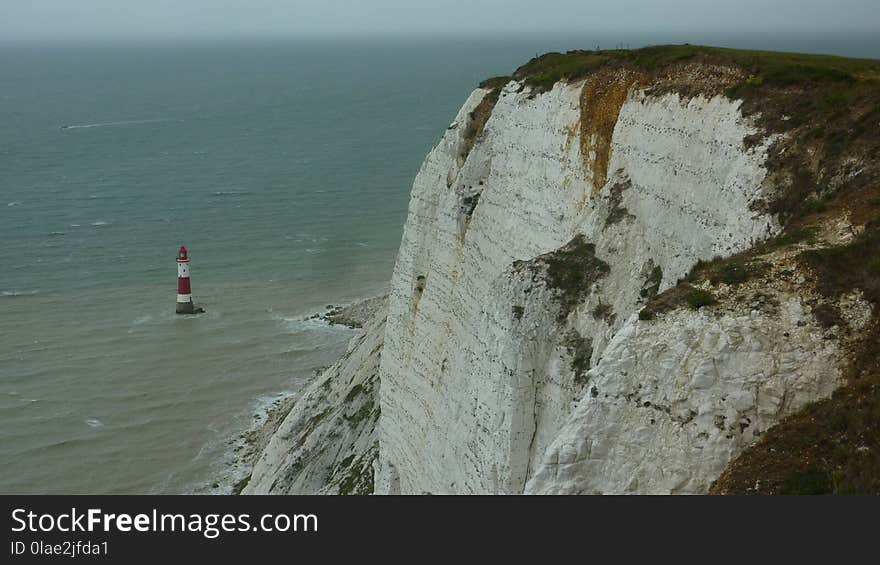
650 271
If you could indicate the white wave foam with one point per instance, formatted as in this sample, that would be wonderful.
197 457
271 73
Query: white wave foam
118 123
12 293
94 423
264 404
239 455
100 223
140 320
310 325
231 192
13 203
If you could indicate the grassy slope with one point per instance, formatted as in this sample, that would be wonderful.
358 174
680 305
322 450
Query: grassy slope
825 163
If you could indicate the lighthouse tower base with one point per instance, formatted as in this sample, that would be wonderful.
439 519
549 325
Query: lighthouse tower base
188 308
185 308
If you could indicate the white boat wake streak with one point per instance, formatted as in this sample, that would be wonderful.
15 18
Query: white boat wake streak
121 123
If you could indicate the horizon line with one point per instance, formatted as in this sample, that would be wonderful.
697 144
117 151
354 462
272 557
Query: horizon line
436 34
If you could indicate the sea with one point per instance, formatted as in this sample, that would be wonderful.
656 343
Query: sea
284 166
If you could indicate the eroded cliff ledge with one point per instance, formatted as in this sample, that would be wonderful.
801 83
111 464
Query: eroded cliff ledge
619 271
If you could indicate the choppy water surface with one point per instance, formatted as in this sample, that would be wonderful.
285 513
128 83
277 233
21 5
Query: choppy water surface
284 167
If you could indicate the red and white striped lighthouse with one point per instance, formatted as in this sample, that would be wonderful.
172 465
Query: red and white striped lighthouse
184 293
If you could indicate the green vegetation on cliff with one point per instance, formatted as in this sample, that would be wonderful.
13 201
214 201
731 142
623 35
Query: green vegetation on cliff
571 272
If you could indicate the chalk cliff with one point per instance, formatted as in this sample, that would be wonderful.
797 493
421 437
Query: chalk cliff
593 292
327 444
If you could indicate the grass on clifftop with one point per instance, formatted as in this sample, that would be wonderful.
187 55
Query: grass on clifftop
763 67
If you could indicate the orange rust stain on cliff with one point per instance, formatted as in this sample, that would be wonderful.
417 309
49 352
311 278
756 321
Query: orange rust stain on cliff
602 97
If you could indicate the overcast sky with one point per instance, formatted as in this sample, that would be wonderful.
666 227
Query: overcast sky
39 19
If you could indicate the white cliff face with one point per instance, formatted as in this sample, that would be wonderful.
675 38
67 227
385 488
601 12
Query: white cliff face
672 401
512 359
327 444
477 376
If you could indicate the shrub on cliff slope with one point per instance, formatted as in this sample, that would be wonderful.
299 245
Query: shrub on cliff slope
698 298
581 351
571 272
